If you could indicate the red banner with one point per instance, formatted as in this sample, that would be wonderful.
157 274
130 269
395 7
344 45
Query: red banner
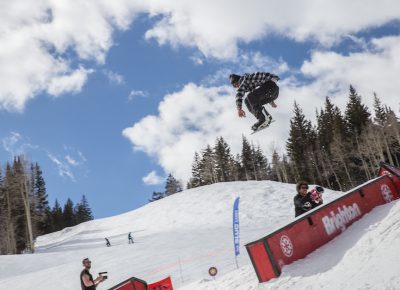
164 284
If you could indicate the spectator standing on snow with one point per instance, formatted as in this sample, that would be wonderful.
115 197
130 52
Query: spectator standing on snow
87 282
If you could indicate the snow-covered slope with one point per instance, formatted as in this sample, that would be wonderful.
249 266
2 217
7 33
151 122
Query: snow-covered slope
185 234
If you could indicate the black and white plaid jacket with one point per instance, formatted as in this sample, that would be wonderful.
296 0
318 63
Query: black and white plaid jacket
249 82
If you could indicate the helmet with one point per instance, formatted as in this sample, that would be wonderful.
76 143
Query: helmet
234 78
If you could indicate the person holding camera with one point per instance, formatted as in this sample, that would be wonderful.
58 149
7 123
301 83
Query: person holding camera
306 200
87 282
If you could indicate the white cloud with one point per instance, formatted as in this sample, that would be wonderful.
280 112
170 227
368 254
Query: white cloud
153 178
114 77
10 141
207 112
74 157
68 83
216 27
247 62
15 144
74 160
374 70
38 37
137 93
203 114
64 169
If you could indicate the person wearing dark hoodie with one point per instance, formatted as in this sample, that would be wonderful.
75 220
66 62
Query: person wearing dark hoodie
306 200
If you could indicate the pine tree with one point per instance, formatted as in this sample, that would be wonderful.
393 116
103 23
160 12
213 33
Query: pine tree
357 119
57 217
357 115
68 214
207 167
83 213
3 216
24 228
236 168
41 204
195 180
329 123
172 185
276 170
299 143
156 196
380 113
247 160
223 160
263 169
10 212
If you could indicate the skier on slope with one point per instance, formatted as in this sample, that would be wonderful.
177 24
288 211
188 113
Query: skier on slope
306 200
108 244
130 239
262 89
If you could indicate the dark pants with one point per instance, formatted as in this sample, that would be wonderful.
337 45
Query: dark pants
264 94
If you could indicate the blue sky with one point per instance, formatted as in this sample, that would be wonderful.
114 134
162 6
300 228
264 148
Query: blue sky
111 97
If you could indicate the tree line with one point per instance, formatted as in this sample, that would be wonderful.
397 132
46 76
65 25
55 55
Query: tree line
340 151
24 208
172 186
219 164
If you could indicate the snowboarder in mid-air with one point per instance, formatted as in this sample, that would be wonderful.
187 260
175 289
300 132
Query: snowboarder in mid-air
262 89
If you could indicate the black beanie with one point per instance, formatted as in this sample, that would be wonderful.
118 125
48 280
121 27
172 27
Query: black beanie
234 78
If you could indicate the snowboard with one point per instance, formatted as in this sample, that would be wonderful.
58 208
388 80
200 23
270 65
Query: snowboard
262 127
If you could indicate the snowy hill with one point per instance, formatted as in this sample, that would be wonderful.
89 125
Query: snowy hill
185 234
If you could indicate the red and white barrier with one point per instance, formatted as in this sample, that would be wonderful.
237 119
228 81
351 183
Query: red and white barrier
131 284
392 172
164 284
317 227
137 284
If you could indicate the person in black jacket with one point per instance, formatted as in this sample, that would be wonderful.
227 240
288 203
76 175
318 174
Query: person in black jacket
87 282
262 89
108 244
306 200
130 239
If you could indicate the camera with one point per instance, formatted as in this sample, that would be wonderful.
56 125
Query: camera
103 274
319 189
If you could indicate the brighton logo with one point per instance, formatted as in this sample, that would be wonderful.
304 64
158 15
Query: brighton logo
286 246
386 193
339 220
